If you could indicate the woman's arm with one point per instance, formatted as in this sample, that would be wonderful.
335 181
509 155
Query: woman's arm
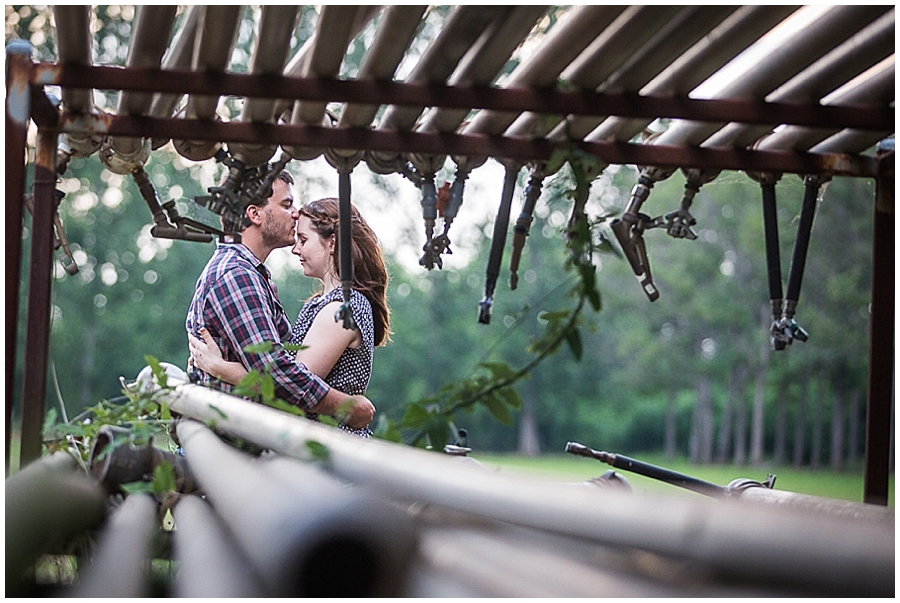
207 357
326 340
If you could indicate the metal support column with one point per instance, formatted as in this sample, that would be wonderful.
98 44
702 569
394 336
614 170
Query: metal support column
37 335
881 335
18 95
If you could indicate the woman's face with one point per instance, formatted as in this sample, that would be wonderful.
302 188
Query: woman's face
315 253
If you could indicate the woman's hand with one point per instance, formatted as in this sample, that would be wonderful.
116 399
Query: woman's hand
205 354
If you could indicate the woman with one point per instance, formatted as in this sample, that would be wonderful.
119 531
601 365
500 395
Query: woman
343 357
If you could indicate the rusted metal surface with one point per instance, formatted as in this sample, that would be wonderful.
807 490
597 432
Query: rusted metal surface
18 92
37 332
548 100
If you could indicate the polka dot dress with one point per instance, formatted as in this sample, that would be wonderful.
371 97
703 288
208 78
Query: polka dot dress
351 373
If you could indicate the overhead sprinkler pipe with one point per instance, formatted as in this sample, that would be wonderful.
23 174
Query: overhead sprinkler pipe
484 62
790 58
322 57
73 39
458 33
577 29
396 30
177 57
629 59
694 66
273 44
210 51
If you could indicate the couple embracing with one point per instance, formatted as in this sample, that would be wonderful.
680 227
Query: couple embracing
236 304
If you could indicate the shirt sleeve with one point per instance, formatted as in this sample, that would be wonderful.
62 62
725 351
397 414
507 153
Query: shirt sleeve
243 311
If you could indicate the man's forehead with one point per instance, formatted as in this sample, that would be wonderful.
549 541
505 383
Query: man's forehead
281 190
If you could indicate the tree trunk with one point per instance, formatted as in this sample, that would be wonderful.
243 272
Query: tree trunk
780 431
740 421
529 442
702 425
853 452
757 436
671 440
723 447
800 426
837 431
816 447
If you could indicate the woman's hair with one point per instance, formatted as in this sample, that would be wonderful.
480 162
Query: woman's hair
370 276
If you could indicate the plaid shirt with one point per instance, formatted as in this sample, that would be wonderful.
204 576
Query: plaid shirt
238 303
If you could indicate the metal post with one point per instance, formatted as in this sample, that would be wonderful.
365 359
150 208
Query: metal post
881 333
18 94
37 336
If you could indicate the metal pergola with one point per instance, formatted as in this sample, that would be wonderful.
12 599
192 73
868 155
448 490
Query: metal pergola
817 103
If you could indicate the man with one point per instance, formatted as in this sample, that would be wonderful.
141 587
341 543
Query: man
237 302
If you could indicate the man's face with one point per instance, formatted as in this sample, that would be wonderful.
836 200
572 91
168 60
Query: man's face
279 216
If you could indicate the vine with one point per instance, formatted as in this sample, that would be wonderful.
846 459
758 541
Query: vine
430 422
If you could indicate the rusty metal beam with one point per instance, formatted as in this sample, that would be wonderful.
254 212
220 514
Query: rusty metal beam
37 334
475 145
18 93
538 100
881 338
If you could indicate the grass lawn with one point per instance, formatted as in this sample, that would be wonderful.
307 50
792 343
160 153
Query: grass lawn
841 485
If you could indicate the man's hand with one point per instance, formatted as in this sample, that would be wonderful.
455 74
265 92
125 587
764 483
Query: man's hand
355 411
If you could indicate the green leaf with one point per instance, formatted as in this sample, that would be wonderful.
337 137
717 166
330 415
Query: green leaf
497 408
318 450
573 338
415 415
260 348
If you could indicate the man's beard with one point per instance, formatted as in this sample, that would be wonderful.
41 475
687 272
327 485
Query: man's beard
275 237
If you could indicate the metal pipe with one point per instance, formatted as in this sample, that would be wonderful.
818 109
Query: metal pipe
120 566
149 40
783 63
37 333
73 43
751 541
875 86
333 35
48 504
861 52
213 43
458 33
307 535
564 42
297 66
270 54
18 101
74 47
485 61
648 52
209 562
178 56
395 33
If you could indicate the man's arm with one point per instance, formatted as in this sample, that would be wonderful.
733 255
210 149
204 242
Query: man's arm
354 411
240 302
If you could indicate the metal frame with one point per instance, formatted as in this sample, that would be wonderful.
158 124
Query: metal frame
26 101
